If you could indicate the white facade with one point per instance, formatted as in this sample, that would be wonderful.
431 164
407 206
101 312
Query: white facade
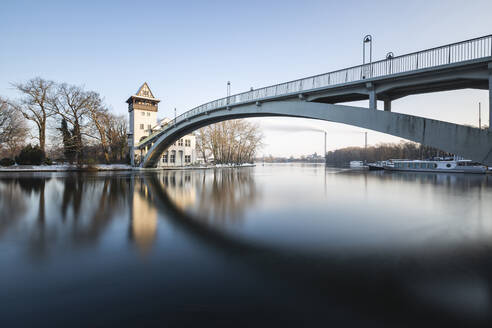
142 110
143 122
181 153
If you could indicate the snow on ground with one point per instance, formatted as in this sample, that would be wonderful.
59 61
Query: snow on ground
64 167
105 167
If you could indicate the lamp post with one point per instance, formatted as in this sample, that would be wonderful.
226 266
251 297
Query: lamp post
480 115
228 91
324 155
390 55
365 145
174 115
367 39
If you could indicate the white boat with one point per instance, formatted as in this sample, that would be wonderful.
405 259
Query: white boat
358 165
376 166
450 166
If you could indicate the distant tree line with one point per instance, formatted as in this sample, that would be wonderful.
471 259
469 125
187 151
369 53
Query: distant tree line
82 128
381 152
229 142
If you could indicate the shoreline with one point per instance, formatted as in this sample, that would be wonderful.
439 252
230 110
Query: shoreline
108 167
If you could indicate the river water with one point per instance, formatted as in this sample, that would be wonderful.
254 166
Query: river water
285 244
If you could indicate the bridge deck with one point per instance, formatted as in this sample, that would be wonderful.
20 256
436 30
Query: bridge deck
453 66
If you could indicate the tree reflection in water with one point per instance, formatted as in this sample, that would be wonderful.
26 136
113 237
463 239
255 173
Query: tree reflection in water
13 204
219 196
70 208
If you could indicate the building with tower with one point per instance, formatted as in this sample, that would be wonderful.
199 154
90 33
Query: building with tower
142 110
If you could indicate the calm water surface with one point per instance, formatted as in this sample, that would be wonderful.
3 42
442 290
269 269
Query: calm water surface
290 245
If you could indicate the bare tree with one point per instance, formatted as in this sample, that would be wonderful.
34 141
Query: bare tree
13 128
71 103
202 143
116 134
100 121
35 106
234 141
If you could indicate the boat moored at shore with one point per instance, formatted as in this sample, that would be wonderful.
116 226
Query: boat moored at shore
448 166
358 165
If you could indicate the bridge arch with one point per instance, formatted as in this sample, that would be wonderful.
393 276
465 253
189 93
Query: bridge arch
469 142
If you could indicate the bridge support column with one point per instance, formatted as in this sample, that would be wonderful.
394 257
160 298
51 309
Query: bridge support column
373 101
490 97
387 105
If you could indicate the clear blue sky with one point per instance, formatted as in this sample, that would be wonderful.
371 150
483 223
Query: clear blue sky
187 50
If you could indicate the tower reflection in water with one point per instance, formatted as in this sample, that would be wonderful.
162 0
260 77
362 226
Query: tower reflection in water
143 217
217 197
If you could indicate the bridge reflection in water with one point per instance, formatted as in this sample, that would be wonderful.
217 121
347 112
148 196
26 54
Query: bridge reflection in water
47 215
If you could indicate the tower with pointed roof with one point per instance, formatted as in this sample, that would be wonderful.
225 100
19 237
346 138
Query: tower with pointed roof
142 110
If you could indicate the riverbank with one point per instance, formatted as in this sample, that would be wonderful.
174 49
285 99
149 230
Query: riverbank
108 167
191 167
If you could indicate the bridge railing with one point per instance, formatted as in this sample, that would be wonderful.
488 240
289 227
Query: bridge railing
445 55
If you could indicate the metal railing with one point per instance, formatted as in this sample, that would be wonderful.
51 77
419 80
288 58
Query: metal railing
459 52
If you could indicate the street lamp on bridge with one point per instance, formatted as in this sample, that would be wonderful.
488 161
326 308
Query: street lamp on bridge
367 39
228 91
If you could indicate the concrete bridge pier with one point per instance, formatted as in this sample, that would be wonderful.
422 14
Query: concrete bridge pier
490 96
373 99
387 105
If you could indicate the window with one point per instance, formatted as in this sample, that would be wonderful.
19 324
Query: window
143 113
141 126
187 143
173 158
180 142
164 158
187 158
149 127
148 113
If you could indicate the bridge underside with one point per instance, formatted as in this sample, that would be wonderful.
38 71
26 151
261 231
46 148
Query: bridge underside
471 143
474 76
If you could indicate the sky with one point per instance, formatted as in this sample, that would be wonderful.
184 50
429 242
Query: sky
188 50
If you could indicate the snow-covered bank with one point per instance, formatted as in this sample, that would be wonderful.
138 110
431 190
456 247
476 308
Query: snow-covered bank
198 167
65 167
107 167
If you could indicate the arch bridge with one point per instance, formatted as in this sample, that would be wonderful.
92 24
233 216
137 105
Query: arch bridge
466 64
